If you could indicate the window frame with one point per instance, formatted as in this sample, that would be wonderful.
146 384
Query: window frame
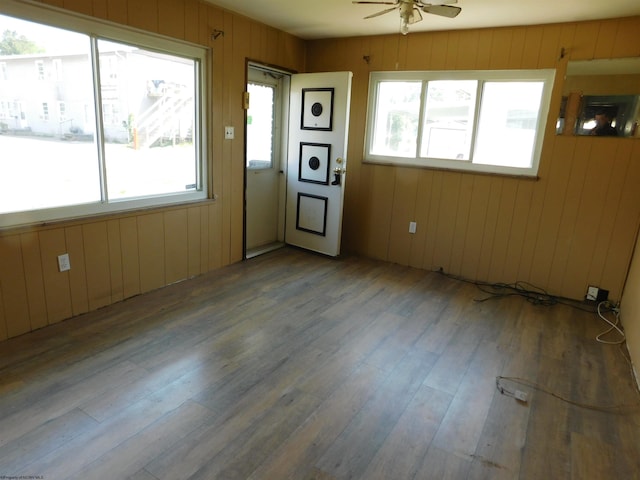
97 29
547 76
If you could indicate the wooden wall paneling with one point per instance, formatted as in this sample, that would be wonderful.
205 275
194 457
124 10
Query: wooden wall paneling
216 237
626 38
435 198
3 317
350 58
569 214
453 43
206 238
541 253
422 203
56 284
97 264
532 48
489 231
241 51
439 51
418 51
625 228
55 3
535 209
74 240
272 54
566 39
14 303
403 45
461 229
130 257
192 20
117 11
550 45
201 24
194 242
377 212
176 245
444 230
227 145
516 49
255 39
151 251
143 14
583 46
171 18
390 52
501 48
100 9
376 47
32 262
403 210
605 39
475 218
503 231
115 260
80 6
518 230
467 50
216 133
353 178
604 232
485 41
593 196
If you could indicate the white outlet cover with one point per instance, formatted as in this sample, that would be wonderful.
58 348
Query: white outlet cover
63 262
229 133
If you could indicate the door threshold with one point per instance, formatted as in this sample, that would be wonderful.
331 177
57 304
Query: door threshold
254 252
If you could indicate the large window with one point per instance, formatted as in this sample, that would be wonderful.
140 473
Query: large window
108 119
490 121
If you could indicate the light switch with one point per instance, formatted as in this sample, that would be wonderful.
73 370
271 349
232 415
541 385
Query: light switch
229 133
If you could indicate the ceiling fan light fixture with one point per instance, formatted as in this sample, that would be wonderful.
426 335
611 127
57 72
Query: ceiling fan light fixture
404 26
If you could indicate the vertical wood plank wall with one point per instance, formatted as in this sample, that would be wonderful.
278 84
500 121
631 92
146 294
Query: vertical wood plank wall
121 256
575 226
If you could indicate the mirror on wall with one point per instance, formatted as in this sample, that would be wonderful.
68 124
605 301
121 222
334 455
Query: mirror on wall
601 97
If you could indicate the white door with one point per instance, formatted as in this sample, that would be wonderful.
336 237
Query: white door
265 187
316 173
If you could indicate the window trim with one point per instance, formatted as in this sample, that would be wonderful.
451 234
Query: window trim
547 76
104 30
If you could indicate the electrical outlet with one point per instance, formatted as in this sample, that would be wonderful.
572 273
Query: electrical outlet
412 227
63 262
592 293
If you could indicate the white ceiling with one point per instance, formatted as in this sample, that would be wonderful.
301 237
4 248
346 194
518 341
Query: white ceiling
313 19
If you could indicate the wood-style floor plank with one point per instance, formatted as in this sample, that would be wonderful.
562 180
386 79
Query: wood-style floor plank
296 366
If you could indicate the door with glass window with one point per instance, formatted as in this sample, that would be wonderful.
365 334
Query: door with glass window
264 196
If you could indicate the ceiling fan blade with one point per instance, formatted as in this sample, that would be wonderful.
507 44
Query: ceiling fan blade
381 13
415 17
442 10
375 3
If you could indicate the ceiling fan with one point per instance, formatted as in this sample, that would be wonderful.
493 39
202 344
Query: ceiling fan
410 10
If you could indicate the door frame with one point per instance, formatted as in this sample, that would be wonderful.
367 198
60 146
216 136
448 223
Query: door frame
284 137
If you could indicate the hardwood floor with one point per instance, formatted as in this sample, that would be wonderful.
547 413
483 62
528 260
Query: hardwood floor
292 365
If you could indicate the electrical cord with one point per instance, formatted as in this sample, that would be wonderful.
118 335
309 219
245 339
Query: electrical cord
600 408
531 293
614 326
